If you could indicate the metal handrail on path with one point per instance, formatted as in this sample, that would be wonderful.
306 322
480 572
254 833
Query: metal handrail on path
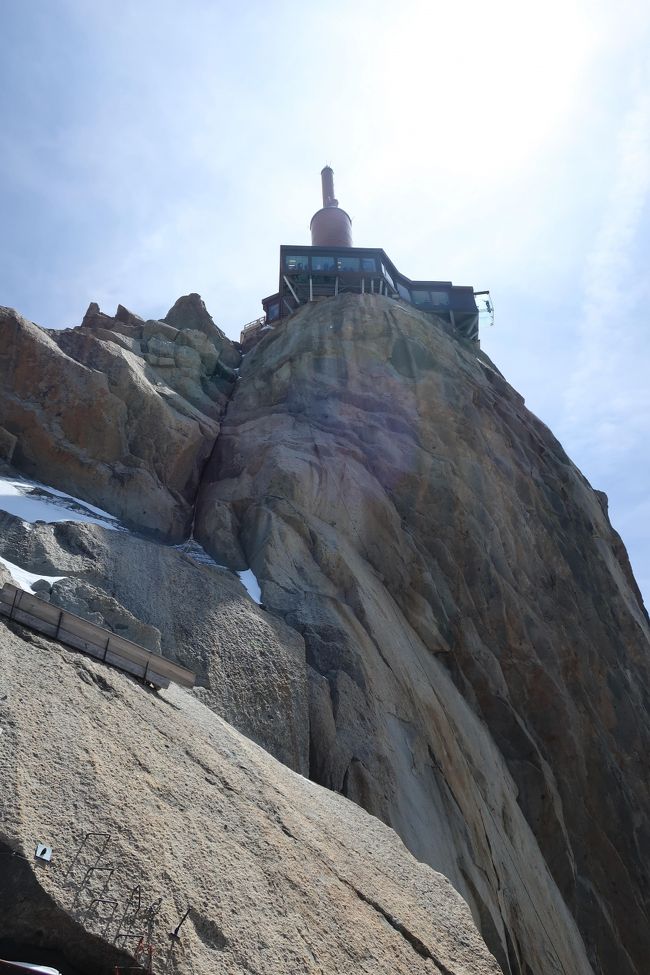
258 323
26 608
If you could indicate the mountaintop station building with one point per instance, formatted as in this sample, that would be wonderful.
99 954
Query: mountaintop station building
332 266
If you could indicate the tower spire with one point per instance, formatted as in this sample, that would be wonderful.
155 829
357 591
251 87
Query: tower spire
327 181
330 226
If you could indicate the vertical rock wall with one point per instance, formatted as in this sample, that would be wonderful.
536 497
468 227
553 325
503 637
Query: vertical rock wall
477 644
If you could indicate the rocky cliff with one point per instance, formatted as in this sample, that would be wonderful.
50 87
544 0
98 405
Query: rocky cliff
122 411
456 638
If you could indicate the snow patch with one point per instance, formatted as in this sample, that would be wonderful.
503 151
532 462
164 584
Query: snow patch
252 585
26 579
32 501
193 550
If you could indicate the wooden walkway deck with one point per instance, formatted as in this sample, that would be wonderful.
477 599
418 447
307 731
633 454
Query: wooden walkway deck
52 621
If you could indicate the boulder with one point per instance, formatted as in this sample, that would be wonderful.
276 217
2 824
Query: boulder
94 318
189 312
201 344
128 317
154 329
42 586
157 346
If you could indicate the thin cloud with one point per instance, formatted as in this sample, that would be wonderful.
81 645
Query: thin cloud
608 399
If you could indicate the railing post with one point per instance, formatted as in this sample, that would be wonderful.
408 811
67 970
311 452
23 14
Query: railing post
13 605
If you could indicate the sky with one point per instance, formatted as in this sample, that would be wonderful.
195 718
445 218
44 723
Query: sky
151 148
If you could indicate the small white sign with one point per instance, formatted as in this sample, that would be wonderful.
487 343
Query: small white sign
43 852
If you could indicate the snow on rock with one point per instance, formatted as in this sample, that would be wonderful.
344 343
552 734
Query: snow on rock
32 501
196 552
26 579
252 585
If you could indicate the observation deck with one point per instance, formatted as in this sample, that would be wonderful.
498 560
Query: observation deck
331 266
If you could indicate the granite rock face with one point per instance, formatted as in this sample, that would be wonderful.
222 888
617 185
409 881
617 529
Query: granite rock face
478 648
250 666
279 875
122 412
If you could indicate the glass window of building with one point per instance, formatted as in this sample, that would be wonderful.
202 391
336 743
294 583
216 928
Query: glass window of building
297 262
273 312
368 264
421 298
440 299
348 263
323 262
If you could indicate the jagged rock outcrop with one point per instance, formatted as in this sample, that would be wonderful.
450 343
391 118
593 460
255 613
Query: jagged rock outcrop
121 411
250 666
189 312
279 875
478 647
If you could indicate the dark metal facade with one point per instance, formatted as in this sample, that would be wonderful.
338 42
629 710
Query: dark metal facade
311 273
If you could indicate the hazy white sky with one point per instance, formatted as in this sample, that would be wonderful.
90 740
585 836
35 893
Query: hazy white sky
149 148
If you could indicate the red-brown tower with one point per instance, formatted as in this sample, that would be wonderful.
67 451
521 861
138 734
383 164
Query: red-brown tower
330 226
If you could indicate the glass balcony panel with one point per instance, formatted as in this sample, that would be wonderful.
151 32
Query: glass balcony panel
348 264
323 262
403 292
386 273
297 262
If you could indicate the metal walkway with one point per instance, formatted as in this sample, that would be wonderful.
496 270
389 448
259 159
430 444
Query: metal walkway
97 642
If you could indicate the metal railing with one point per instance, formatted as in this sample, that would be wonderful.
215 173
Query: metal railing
96 641
258 323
